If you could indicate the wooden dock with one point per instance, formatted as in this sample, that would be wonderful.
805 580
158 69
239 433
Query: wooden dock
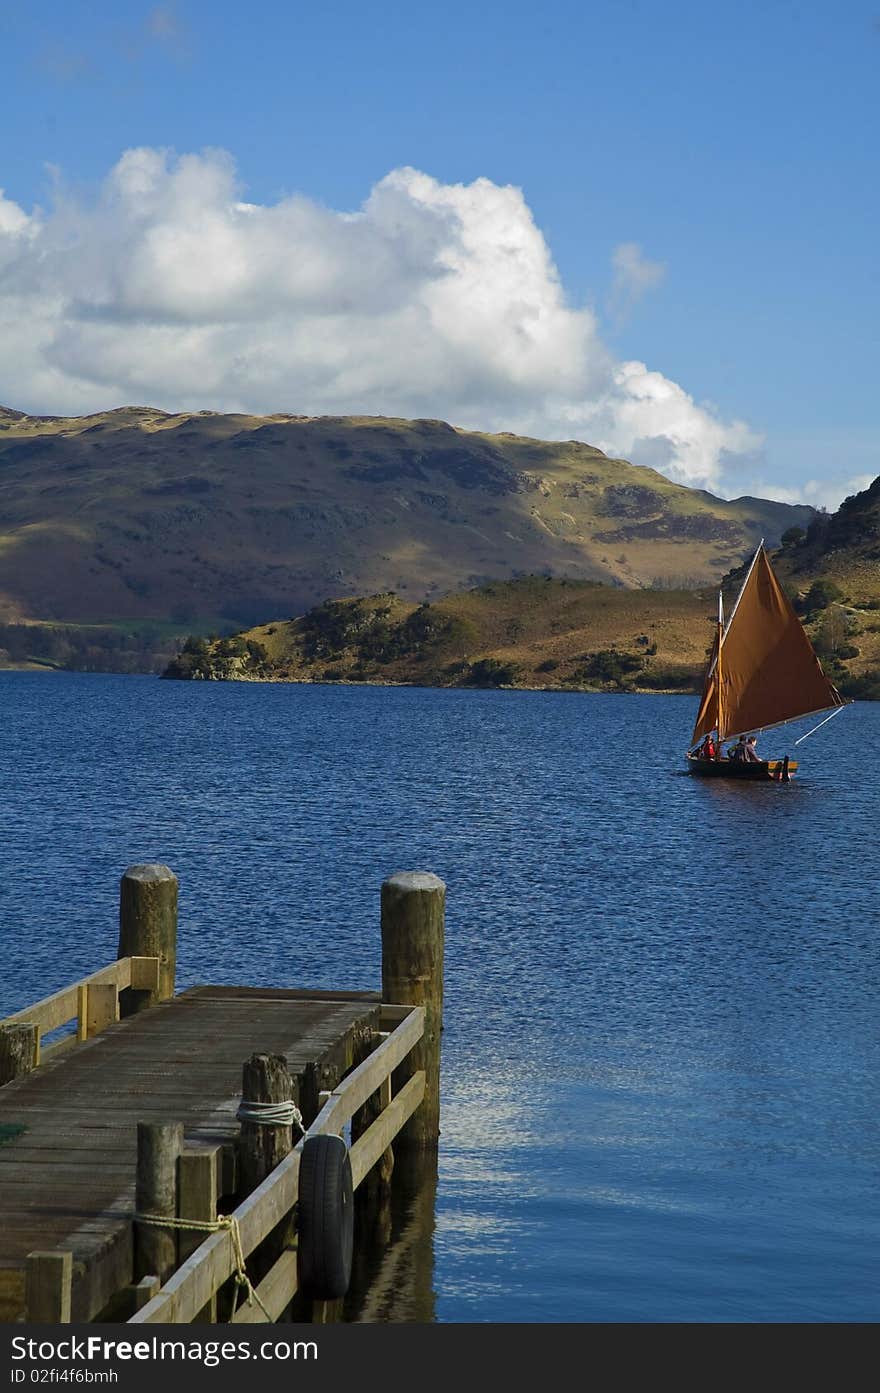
71 1120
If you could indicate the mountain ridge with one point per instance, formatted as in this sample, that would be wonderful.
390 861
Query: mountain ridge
208 518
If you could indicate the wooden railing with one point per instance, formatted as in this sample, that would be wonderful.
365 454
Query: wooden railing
196 1282
93 1002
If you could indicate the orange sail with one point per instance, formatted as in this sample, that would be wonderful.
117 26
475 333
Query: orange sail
769 671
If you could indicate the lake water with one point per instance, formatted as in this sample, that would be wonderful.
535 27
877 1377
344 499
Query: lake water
662 1050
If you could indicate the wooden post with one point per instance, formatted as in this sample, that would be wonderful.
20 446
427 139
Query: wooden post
48 1281
148 929
144 1291
373 1189
103 1007
82 1012
413 910
97 1006
158 1146
308 1082
372 1198
198 1171
265 1079
19 1050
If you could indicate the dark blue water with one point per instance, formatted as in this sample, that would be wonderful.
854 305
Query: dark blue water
662 1051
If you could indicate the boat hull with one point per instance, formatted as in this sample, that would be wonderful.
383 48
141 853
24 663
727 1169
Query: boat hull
764 771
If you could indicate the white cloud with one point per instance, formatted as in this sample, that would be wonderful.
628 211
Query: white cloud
634 276
431 300
14 222
830 493
826 493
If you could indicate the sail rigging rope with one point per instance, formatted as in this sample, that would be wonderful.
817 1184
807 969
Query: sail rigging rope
836 712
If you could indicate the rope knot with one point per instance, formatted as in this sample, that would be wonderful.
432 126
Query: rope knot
285 1114
226 1222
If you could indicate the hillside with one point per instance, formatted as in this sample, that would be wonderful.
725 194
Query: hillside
533 632
834 564
552 633
843 547
204 520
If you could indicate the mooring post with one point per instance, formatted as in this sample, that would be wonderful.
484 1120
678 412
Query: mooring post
158 1146
19 1050
265 1079
148 929
413 911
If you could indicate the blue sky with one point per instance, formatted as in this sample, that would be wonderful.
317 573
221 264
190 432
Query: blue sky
731 149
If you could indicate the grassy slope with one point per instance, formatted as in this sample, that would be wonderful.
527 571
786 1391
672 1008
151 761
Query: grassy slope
136 515
844 548
531 632
539 632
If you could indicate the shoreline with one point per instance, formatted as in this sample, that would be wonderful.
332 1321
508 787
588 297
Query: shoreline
367 682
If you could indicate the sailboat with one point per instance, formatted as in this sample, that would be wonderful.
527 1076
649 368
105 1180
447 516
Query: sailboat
763 672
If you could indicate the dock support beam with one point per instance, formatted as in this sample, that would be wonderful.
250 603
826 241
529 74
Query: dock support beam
413 915
148 929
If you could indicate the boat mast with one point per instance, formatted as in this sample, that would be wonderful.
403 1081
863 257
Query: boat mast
718 671
721 635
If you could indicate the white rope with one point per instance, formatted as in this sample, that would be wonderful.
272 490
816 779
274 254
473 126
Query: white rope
836 712
285 1114
223 1221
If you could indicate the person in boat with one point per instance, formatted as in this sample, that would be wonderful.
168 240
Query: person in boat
708 749
744 751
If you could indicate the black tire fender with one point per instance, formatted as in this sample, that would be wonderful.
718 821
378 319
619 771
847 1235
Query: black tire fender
325 1219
